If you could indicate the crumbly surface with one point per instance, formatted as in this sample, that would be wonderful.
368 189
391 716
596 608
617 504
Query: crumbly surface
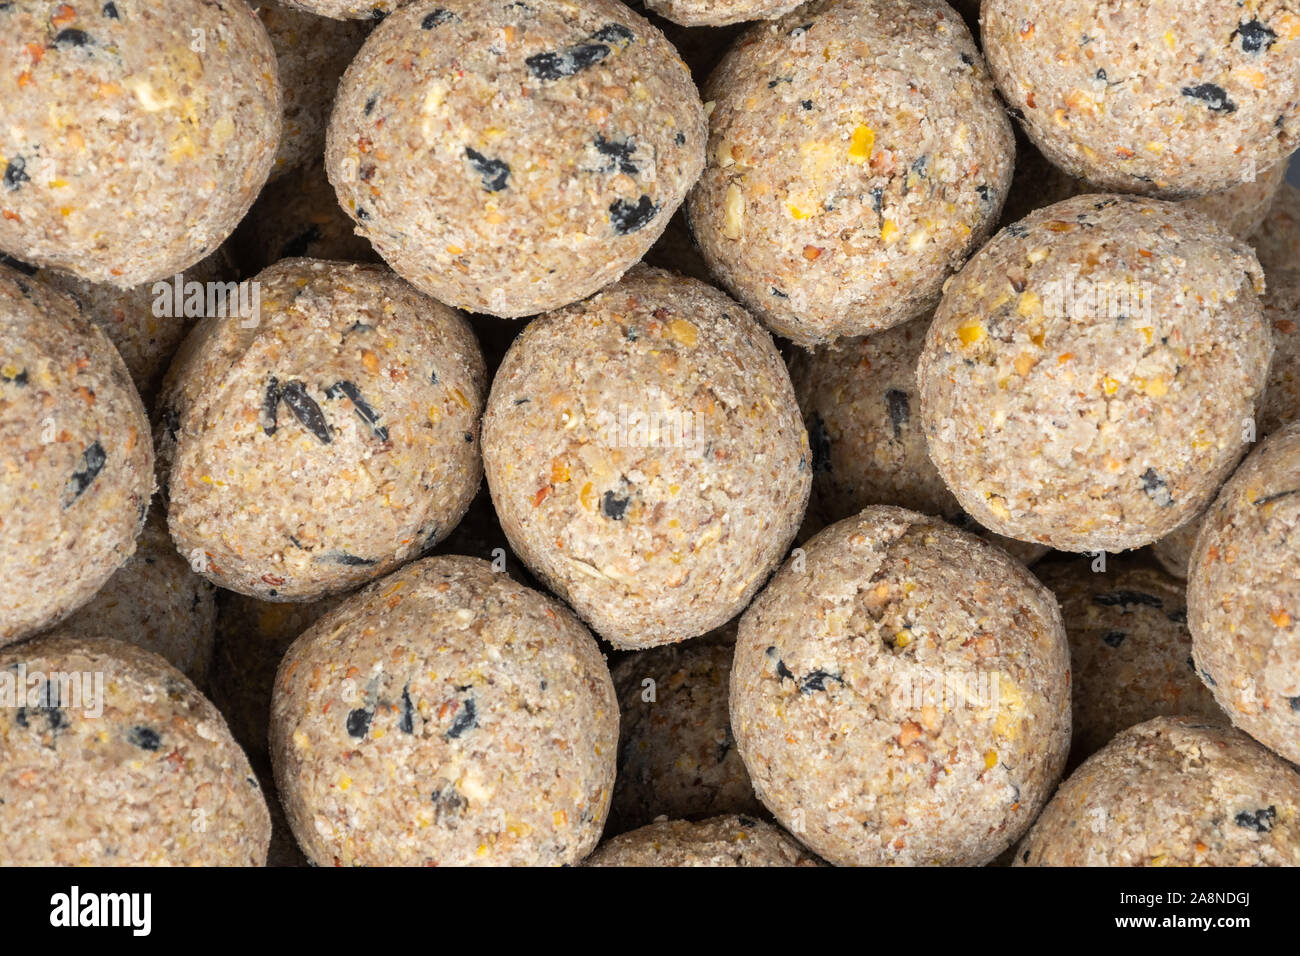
646 457
299 216
1165 97
126 156
1240 209
717 13
1173 791
900 693
1243 604
857 155
312 53
734 840
145 341
1087 378
676 754
862 409
1130 650
1281 404
77 462
1277 242
524 155
252 637
327 443
156 602
445 716
153 780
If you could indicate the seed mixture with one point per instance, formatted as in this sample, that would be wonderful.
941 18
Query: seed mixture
931 664
857 155
126 154
1164 97
1174 791
1088 376
1242 600
445 715
1240 209
328 442
716 13
787 338
1279 406
528 154
77 463
646 457
152 779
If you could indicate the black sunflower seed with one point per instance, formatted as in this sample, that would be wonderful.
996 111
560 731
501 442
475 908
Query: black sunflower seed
88 469
338 556
1156 488
1254 36
817 681
573 60
494 172
618 154
365 412
1261 821
271 406
358 722
146 738
15 173
1214 97
1275 497
406 723
70 38
466 719
306 410
1114 638
437 18
613 506
628 217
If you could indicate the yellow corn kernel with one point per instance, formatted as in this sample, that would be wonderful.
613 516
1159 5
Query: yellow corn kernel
970 332
684 332
861 144
990 759
888 231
